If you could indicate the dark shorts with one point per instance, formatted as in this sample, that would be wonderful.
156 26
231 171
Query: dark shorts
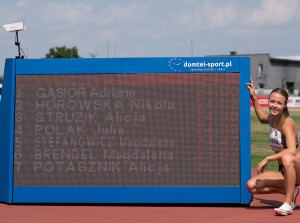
281 169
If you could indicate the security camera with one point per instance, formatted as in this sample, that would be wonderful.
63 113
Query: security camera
14 27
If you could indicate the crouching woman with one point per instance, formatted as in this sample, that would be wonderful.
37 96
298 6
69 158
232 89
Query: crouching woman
283 139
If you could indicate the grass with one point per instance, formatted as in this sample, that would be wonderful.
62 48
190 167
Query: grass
260 147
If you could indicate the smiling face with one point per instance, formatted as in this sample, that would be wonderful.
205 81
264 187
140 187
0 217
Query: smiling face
277 103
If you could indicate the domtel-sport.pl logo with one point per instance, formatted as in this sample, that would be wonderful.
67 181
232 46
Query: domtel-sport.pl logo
179 65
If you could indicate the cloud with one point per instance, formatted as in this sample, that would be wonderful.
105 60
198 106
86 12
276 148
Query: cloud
221 16
66 12
129 15
186 19
24 3
273 12
108 22
63 39
147 33
108 34
206 16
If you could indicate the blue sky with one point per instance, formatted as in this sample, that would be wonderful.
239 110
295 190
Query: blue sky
152 28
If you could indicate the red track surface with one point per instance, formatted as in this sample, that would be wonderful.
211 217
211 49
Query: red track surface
260 210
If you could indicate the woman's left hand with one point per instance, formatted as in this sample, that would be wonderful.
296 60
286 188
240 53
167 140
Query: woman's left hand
261 166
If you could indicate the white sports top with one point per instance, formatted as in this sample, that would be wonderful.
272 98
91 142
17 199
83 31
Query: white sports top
277 141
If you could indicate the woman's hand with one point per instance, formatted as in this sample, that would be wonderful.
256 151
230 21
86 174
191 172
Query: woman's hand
261 166
251 88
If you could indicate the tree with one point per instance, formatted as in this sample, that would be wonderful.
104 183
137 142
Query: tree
63 52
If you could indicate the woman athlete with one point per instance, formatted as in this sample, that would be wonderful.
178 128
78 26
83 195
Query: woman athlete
283 138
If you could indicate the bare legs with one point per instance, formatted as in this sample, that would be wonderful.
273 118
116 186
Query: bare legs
292 175
274 182
267 183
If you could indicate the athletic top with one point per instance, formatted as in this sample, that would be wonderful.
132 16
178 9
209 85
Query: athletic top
277 141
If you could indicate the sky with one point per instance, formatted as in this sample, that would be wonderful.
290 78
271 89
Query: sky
152 28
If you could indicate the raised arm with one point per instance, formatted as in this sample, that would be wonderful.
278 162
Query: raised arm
261 115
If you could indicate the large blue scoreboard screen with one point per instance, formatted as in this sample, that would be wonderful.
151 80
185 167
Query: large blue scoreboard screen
148 130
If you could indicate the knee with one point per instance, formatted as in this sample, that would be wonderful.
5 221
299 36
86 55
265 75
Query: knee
254 184
251 186
287 161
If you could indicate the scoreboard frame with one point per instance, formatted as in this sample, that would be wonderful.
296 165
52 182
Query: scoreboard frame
66 194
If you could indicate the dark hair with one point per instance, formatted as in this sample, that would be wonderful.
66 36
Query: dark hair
285 112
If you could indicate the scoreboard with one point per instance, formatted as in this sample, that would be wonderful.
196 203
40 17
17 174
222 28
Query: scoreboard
126 130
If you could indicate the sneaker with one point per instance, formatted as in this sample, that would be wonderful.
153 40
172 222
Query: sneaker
284 210
296 193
